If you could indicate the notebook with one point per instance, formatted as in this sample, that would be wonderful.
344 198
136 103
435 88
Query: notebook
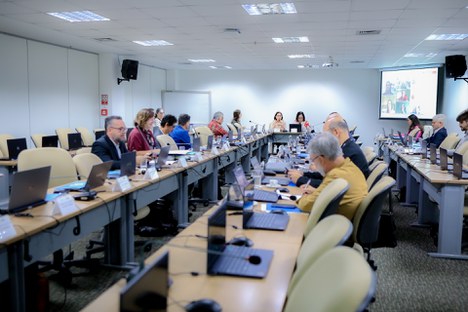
148 290
96 178
458 170
295 128
50 141
28 189
74 141
16 146
258 195
232 260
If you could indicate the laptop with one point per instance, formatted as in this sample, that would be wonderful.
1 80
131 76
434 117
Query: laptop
444 160
458 170
148 290
16 146
262 220
74 141
295 128
433 154
278 166
196 144
223 259
162 161
50 141
423 149
127 166
209 144
402 139
258 195
266 180
96 178
99 134
28 189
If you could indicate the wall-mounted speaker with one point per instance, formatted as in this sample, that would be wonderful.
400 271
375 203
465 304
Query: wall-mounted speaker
455 66
129 69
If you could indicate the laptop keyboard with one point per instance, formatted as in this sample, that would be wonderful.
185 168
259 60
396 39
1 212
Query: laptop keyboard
265 196
234 260
264 220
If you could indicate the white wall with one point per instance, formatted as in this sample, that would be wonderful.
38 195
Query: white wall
455 101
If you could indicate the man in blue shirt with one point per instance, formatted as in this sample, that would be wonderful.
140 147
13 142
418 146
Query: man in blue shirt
180 133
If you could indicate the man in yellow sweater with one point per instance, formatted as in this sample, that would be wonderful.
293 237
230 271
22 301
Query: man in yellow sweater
326 154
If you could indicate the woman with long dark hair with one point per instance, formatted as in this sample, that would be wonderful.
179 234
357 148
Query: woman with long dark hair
415 129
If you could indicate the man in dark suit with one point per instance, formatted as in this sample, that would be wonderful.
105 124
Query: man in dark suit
111 146
440 133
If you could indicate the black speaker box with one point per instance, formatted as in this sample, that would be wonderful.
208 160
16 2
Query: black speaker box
130 69
455 66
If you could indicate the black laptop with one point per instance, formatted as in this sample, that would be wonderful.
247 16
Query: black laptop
402 139
223 259
74 141
433 154
458 170
445 164
148 290
96 178
258 195
16 146
28 189
423 149
196 144
209 144
50 141
295 128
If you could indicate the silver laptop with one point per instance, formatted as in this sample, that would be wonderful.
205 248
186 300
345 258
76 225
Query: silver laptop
96 178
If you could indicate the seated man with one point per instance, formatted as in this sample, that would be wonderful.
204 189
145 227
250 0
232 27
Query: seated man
326 154
216 125
111 146
440 133
180 133
167 125
462 119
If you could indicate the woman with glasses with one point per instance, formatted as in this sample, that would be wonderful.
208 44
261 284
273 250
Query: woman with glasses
278 124
301 120
141 138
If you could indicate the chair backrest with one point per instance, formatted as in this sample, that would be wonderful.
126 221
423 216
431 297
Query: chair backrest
37 139
63 169
367 218
370 157
203 132
463 148
328 233
232 128
340 280
376 174
327 203
83 150
63 136
86 136
450 142
367 150
414 132
84 163
374 164
3 143
428 130
166 140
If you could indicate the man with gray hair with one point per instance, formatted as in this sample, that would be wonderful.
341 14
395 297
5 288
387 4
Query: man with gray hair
216 124
326 154
440 133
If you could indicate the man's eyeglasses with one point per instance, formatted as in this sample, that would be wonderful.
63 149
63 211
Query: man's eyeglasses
120 128
313 159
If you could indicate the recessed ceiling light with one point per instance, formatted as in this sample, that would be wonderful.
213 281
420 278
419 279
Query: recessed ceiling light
420 55
153 43
270 8
202 60
308 66
220 67
447 37
79 16
299 56
290 39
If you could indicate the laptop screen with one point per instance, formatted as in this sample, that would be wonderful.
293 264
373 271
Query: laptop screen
216 234
424 149
50 141
458 165
74 141
209 144
128 164
196 144
433 153
148 290
255 164
240 177
98 175
16 146
443 159
401 138
163 155
295 128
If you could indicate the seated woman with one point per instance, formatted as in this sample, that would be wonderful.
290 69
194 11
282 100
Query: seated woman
278 124
236 120
415 128
301 120
141 138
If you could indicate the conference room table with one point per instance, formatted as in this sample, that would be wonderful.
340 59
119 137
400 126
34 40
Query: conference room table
42 232
187 254
427 183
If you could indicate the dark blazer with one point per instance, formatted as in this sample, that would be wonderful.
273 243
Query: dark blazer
105 149
437 138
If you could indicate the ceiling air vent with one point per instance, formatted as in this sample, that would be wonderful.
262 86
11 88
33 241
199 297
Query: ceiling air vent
104 39
367 32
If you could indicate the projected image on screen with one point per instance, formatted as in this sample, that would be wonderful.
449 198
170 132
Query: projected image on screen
409 91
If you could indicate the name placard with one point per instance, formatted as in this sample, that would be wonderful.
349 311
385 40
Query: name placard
183 162
122 184
64 204
214 150
226 147
151 174
7 230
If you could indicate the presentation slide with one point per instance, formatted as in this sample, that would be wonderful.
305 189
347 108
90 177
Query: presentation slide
409 91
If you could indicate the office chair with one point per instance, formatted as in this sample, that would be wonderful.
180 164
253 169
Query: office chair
340 280
232 128
4 145
366 221
63 136
166 140
86 136
203 132
327 203
98 132
370 157
84 162
37 139
376 174
450 142
375 163
83 150
328 233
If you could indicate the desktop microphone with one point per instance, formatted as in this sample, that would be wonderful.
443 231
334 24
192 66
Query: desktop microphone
257 124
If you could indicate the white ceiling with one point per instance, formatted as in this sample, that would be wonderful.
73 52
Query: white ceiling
197 30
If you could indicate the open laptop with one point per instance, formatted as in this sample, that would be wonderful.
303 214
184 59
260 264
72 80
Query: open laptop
458 170
74 141
209 144
295 128
163 161
266 180
423 149
196 144
258 195
96 178
278 166
28 189
223 259
445 164
148 290
16 146
50 141
433 154
402 139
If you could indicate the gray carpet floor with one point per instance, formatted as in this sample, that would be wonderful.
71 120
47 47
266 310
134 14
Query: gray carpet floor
408 279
